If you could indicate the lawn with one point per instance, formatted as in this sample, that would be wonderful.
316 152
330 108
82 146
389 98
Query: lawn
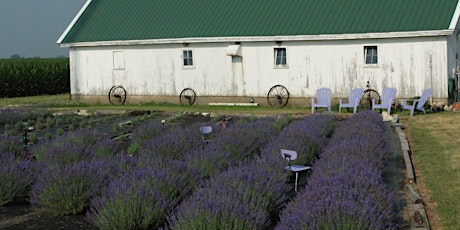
435 143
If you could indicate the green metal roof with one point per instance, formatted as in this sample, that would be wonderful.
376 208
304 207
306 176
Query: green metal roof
115 20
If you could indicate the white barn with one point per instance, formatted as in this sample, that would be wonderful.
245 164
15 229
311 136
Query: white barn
234 50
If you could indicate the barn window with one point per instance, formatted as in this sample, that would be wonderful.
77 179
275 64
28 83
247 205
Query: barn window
280 57
187 56
370 55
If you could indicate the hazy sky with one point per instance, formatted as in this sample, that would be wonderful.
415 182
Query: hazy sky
31 28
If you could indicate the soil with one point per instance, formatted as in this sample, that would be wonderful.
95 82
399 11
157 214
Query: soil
25 216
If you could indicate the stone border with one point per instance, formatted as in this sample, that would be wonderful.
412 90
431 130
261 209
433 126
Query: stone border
416 210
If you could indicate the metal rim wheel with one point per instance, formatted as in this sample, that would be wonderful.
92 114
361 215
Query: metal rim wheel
366 101
278 96
117 95
187 96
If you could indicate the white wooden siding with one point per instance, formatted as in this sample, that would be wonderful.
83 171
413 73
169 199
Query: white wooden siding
408 64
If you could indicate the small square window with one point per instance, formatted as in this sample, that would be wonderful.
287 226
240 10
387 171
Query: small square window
187 56
370 55
280 57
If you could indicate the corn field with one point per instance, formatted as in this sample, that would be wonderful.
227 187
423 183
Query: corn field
33 77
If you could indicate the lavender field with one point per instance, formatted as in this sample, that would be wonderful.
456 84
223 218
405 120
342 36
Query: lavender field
154 175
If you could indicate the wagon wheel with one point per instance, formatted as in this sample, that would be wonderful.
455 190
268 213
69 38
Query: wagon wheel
278 96
366 101
187 96
117 95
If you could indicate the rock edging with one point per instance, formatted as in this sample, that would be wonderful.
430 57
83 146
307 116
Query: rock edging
416 210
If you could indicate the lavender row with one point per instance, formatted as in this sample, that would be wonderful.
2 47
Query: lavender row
9 115
346 189
168 168
245 196
65 189
234 145
141 197
16 177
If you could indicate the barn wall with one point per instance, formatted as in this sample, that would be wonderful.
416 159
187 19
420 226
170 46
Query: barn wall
408 64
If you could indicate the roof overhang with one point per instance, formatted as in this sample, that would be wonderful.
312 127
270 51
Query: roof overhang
325 37
72 23
455 17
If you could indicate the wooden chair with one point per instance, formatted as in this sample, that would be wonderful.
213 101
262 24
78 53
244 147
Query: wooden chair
417 104
323 99
353 99
386 101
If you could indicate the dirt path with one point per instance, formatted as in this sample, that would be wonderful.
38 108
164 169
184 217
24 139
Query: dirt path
19 219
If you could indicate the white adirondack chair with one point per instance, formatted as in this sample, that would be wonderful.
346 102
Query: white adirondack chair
323 99
388 95
353 99
417 104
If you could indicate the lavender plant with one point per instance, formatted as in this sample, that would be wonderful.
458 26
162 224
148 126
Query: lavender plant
16 177
141 198
346 189
245 140
239 198
78 146
11 145
60 152
104 147
174 144
244 196
10 115
239 143
149 130
306 136
67 189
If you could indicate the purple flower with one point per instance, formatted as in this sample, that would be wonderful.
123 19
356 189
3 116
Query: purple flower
346 188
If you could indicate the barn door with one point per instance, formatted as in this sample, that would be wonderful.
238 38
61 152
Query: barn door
118 76
238 75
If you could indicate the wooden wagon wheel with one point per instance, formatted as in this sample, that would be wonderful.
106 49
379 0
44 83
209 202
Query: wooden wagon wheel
278 96
187 96
117 95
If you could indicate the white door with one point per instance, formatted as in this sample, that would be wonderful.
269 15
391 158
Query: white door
238 75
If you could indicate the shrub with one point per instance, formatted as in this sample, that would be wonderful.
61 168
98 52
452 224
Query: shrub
239 198
13 115
306 136
150 129
245 196
346 189
78 146
67 189
141 198
239 143
173 144
16 177
11 145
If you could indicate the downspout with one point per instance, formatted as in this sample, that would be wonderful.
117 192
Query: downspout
431 78
457 70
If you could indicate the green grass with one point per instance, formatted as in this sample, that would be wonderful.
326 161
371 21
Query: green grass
435 146
63 102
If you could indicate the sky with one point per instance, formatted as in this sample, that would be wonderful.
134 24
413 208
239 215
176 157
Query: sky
31 28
